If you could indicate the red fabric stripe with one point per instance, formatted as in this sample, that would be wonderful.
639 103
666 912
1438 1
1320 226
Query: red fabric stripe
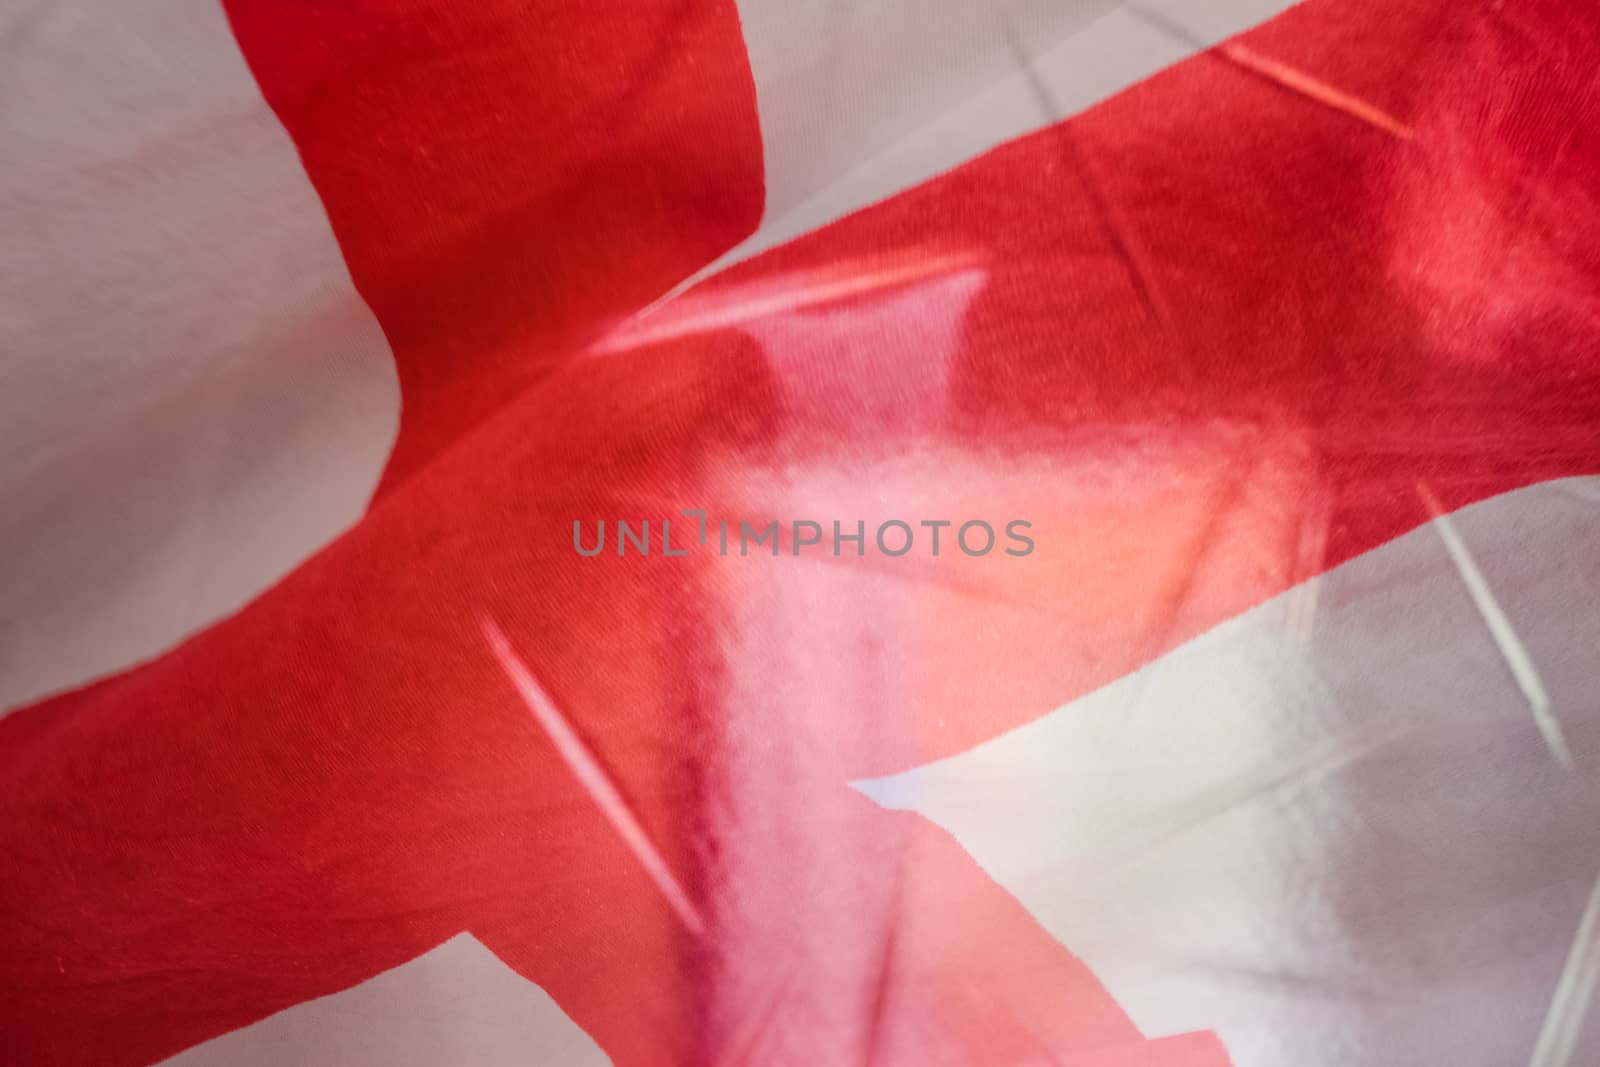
1360 312
504 176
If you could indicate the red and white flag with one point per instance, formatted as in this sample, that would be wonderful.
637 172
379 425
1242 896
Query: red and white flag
783 532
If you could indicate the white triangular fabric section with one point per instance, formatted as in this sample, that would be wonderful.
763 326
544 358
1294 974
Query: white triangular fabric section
861 101
454 1006
1356 843
193 398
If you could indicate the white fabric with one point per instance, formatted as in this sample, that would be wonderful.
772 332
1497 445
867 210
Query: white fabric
1354 847
861 101
192 396
455 1006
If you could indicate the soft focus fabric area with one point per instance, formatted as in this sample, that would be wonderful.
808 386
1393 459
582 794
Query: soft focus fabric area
487 564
